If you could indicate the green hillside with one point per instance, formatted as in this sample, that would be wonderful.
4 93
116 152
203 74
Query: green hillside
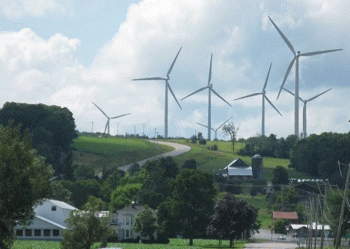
117 151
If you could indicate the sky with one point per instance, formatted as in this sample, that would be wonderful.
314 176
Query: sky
71 53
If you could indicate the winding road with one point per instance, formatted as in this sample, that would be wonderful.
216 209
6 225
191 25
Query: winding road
179 149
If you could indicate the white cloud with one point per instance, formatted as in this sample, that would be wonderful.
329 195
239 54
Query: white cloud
20 8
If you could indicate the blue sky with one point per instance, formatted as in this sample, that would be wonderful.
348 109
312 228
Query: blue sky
70 53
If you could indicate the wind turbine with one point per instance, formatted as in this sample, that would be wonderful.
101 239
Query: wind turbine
304 108
210 89
296 60
215 130
263 93
108 118
167 86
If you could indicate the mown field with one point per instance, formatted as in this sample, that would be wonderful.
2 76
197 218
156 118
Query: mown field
174 244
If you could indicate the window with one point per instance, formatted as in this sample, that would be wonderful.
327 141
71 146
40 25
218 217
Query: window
127 234
127 221
19 232
56 232
47 232
37 232
28 232
53 208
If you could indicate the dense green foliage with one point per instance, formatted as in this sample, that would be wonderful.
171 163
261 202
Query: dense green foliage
145 223
24 179
280 177
53 129
85 227
318 155
192 202
268 146
231 218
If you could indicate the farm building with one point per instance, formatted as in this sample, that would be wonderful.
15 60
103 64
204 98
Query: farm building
238 169
48 222
292 217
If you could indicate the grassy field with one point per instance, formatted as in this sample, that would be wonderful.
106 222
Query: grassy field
174 244
116 151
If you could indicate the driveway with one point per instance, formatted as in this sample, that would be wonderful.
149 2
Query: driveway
178 150
276 245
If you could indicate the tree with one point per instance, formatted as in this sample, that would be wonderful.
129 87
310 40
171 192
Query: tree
24 179
124 195
85 227
280 176
231 130
193 195
231 218
190 164
280 225
53 129
145 223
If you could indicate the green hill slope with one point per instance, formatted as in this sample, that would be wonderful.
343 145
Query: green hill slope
116 151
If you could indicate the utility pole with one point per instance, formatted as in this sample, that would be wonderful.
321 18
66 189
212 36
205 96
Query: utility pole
324 216
342 208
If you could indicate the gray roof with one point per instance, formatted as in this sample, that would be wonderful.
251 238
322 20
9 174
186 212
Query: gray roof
237 163
62 204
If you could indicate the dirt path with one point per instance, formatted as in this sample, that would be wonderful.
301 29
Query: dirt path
179 149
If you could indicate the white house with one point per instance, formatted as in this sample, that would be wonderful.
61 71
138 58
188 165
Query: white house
48 223
123 220
238 169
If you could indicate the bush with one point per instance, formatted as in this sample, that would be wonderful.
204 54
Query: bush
214 147
202 141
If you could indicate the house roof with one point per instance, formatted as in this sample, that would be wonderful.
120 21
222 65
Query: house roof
237 163
319 226
134 208
284 215
61 204
240 171
50 222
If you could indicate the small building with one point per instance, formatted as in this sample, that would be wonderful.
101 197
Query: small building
48 222
301 230
292 217
123 220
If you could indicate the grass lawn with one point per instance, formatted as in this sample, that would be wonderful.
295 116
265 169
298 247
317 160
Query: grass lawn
116 151
174 244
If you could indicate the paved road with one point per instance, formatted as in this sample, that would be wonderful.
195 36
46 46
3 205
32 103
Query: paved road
179 149
269 245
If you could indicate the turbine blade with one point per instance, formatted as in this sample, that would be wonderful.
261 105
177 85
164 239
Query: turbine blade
286 76
220 97
120 116
151 78
318 95
201 89
267 78
272 105
211 60
172 64
202 125
100 110
293 94
173 94
247 96
223 123
284 37
319 52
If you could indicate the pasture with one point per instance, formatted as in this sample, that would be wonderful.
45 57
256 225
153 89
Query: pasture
174 244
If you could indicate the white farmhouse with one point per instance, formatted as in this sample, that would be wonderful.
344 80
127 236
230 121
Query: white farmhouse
123 220
48 223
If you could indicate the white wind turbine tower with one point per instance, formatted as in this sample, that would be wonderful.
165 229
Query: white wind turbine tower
108 118
263 94
210 89
167 86
215 130
304 108
296 60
